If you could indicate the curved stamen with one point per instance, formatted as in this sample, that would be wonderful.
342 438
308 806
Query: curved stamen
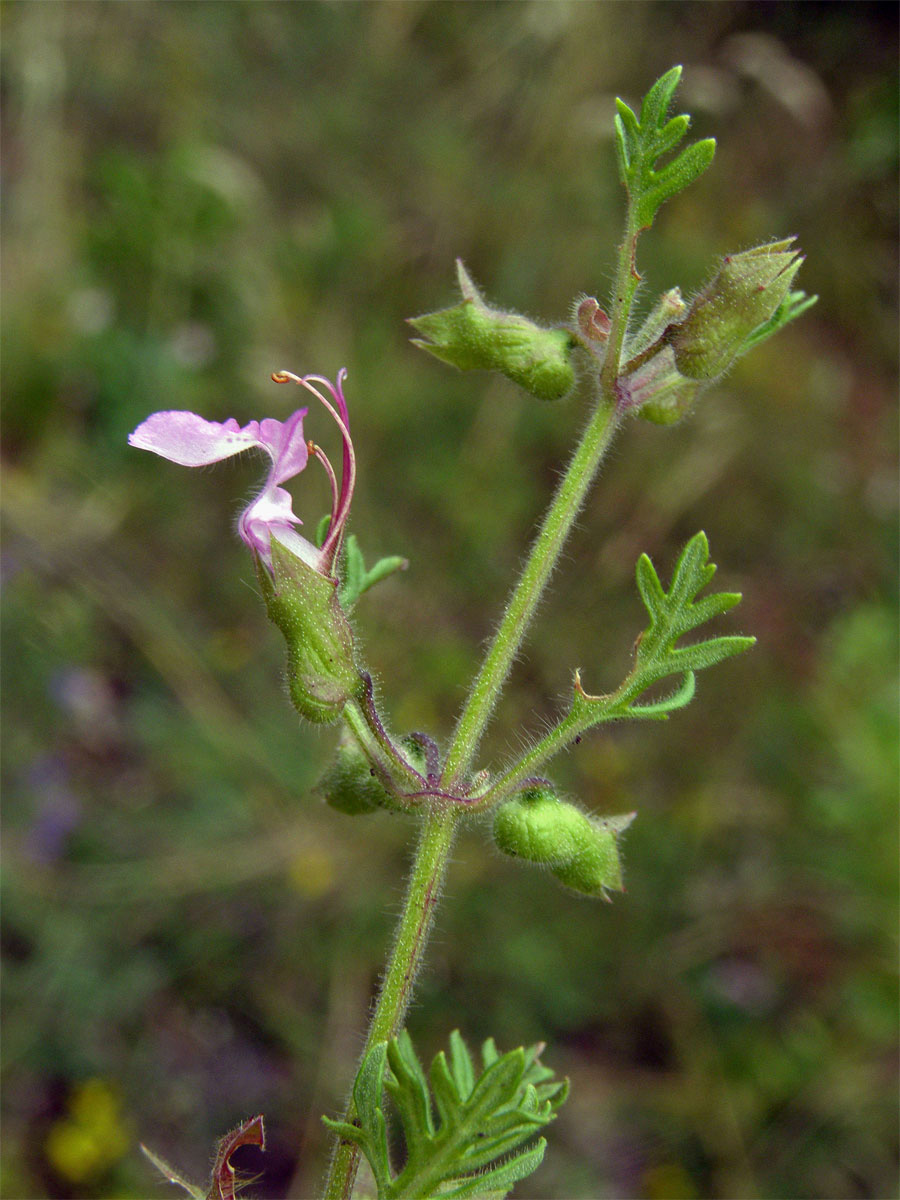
319 453
340 416
336 392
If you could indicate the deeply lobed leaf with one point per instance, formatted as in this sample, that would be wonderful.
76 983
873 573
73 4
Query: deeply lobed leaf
657 656
640 143
676 612
458 1129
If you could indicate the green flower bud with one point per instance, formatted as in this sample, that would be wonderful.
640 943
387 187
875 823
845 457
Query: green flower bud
538 827
475 337
580 851
351 784
302 602
596 868
659 392
668 310
745 293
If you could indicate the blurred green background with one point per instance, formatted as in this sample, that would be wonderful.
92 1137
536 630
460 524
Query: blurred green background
199 194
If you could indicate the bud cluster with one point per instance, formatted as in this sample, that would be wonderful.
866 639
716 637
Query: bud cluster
673 356
678 351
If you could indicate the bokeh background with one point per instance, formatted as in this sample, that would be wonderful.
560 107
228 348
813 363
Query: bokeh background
200 193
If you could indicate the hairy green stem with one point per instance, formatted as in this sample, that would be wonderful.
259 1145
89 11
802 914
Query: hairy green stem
527 767
422 894
627 280
378 747
607 708
527 593
556 527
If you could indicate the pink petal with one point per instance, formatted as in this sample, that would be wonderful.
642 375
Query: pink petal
270 515
285 443
272 507
190 441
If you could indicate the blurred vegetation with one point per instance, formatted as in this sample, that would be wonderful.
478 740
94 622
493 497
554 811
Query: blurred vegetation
199 194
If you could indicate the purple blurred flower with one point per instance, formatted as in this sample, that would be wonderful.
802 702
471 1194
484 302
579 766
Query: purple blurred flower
57 810
191 441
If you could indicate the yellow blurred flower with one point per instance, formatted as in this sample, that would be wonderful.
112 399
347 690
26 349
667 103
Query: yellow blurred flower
92 1136
312 872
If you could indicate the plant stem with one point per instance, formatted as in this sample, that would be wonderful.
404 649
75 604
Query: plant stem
364 723
422 894
627 280
557 524
527 593
439 829
528 766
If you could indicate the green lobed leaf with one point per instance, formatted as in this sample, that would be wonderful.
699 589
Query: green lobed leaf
671 134
658 99
489 1052
660 709
657 656
461 1064
447 1095
371 1132
367 1086
500 1180
460 1130
676 612
384 567
408 1088
641 142
674 178
628 139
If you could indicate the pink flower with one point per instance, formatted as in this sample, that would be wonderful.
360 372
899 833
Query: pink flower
191 441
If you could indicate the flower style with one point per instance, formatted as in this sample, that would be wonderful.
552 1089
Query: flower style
191 441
